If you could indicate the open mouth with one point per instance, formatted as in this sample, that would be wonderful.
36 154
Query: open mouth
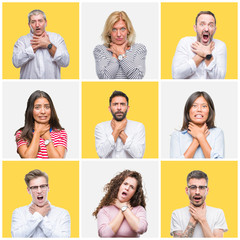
197 198
40 198
124 194
198 116
205 37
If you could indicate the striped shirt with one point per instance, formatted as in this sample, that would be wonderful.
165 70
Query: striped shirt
130 67
59 138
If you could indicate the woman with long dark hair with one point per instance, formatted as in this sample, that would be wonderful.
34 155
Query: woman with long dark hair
198 138
42 135
121 212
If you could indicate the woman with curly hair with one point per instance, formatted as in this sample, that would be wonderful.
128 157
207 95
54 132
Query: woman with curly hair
42 135
121 212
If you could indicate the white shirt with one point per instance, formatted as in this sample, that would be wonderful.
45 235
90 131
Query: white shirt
181 140
215 219
40 65
134 146
56 224
183 65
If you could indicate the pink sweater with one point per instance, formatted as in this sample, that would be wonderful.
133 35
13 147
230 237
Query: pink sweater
108 213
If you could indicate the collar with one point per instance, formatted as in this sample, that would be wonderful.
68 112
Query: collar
50 130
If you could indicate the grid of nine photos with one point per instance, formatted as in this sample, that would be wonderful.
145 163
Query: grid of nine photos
155 106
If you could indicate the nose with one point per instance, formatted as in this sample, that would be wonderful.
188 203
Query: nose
119 106
197 190
199 108
206 28
39 190
127 187
43 110
118 32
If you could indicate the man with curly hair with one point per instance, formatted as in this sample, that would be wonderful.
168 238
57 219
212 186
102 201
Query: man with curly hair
120 137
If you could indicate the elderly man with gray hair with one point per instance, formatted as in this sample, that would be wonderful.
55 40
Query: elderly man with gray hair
40 54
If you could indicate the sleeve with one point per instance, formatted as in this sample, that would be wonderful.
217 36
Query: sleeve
62 139
135 144
57 229
135 68
106 67
21 54
175 224
221 221
61 56
104 143
218 150
183 66
23 227
175 150
143 224
217 68
19 140
103 220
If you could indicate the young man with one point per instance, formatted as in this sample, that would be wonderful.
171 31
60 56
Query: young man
40 219
197 219
120 137
201 57
40 54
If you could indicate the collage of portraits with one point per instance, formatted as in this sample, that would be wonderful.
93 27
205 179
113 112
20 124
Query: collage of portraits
119 119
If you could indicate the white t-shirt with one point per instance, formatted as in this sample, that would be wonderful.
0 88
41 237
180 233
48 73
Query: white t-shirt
215 218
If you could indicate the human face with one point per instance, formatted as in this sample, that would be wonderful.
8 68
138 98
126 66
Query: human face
119 32
197 196
205 28
119 108
39 197
37 24
41 111
199 111
127 189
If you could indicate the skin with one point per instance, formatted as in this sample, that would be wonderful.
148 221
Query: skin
40 206
198 129
40 38
41 115
118 108
204 46
197 209
129 186
119 43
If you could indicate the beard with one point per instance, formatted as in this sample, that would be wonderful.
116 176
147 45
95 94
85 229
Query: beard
197 204
120 118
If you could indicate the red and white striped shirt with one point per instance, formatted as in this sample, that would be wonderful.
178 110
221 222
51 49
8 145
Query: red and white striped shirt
59 138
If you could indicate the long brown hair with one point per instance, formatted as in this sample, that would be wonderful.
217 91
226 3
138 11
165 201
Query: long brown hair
27 129
112 189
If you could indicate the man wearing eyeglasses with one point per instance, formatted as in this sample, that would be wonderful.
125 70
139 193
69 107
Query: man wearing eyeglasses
197 219
40 218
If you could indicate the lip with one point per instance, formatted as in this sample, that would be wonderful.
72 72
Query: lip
198 116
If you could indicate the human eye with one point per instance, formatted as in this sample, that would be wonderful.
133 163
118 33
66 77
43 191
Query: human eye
201 187
114 29
37 107
123 29
47 106
34 187
194 105
193 187
132 187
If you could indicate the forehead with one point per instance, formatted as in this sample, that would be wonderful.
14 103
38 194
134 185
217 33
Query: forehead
119 99
119 24
37 181
36 17
206 18
197 182
200 100
41 100
131 181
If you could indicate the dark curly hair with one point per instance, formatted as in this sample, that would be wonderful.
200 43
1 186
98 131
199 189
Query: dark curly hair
112 189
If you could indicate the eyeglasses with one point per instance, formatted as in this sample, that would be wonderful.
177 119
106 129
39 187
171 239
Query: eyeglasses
194 187
43 187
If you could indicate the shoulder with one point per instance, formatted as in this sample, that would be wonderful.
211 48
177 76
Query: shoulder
21 209
139 209
214 211
24 37
106 210
59 132
134 124
180 211
101 48
103 124
54 35
59 210
187 40
216 131
139 46
219 43
177 133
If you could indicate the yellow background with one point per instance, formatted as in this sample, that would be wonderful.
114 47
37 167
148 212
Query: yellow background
63 183
223 190
143 102
62 18
177 20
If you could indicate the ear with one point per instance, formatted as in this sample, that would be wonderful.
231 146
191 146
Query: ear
195 28
109 108
46 23
48 188
29 25
28 189
186 190
206 193
128 108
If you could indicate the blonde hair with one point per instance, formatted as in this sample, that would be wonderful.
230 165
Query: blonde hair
112 19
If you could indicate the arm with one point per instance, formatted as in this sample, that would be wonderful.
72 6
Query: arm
175 147
134 66
104 142
217 68
135 144
107 66
57 229
188 233
24 226
21 54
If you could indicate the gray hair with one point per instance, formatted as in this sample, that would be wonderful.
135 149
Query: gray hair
36 12
198 175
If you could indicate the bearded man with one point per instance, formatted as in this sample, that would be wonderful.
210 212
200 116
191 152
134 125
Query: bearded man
198 219
201 57
40 54
120 137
